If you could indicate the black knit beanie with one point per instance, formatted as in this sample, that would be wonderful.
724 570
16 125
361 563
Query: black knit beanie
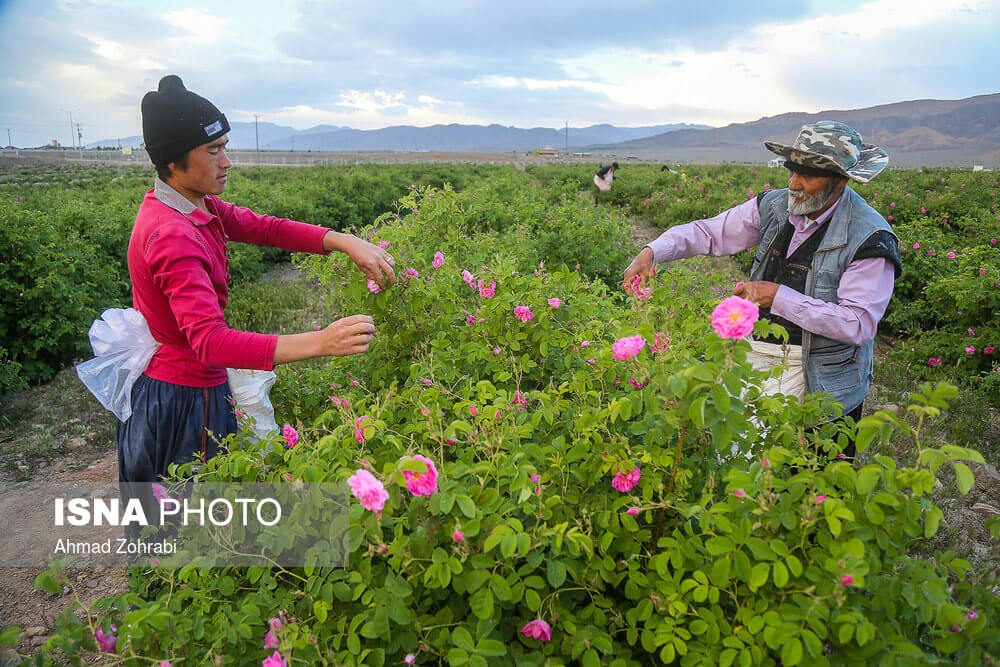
175 120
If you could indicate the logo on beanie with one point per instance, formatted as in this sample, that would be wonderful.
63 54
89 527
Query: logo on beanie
213 128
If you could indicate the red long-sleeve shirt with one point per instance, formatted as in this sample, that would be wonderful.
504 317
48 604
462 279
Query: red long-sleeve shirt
179 266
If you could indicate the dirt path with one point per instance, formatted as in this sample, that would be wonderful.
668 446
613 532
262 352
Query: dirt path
34 611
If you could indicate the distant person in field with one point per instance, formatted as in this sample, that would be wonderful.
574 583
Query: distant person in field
178 261
824 267
603 179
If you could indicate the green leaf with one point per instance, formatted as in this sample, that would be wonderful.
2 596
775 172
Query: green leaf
555 572
457 656
791 652
320 609
462 638
482 603
780 574
932 521
491 648
508 545
965 477
719 544
46 582
466 505
758 576
9 637
868 479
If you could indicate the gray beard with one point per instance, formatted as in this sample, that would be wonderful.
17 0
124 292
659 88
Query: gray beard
811 204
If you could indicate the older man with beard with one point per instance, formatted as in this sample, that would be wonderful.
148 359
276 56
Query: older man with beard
824 267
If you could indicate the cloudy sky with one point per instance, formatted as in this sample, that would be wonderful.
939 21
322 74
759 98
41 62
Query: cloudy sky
526 63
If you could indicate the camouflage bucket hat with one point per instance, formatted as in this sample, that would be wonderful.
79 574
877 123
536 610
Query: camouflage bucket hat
833 146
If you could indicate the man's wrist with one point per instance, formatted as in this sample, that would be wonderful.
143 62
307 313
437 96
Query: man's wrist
652 255
335 241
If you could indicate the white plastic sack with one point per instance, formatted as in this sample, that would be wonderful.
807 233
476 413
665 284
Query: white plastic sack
603 185
122 348
250 393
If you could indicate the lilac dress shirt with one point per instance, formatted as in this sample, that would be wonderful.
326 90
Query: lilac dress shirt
862 296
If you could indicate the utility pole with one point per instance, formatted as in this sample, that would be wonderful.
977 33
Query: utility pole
79 136
9 142
71 137
256 137
567 137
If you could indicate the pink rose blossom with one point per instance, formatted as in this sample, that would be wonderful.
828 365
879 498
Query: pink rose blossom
274 660
554 302
972 616
933 362
987 350
373 288
734 317
291 435
421 483
458 536
523 313
366 488
951 255
410 274
438 260
739 493
982 272
639 292
473 410
585 344
765 463
410 659
487 291
970 350
625 482
535 478
847 580
359 430
916 246
467 277
496 350
632 511
537 629
591 361
106 641
271 640
383 244
819 500
159 492
277 622
627 347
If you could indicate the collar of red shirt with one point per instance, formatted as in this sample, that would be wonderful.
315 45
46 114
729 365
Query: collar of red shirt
175 200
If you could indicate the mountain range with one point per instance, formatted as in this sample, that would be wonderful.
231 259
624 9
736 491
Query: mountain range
919 132
467 138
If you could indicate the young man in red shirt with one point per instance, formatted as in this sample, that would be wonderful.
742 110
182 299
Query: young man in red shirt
179 267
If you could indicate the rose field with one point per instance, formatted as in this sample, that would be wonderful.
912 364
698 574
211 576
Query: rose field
544 470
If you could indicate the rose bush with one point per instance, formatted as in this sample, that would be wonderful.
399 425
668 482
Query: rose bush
583 507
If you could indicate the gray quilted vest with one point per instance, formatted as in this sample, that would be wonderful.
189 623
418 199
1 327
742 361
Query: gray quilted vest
842 369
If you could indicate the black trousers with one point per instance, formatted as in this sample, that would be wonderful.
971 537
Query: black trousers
170 423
